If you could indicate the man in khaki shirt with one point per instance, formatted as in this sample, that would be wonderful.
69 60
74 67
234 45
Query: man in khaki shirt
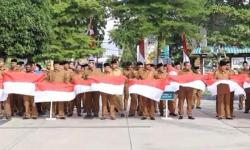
59 75
2 70
108 100
244 70
185 93
148 105
116 71
223 92
136 100
231 72
92 98
29 104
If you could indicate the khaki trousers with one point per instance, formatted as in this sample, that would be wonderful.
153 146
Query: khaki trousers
247 102
148 107
30 106
76 102
108 99
223 100
92 103
185 93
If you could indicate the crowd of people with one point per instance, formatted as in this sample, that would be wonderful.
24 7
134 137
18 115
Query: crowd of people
107 106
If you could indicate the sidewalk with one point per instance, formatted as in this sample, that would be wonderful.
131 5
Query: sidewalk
205 132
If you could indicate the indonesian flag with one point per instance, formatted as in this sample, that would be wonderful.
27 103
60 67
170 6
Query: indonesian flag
3 96
233 86
240 78
113 85
188 80
21 82
82 86
149 88
54 91
185 49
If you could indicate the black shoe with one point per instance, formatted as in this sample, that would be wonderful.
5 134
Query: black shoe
8 117
70 115
191 118
193 107
161 115
219 118
79 115
102 118
122 115
112 118
143 118
229 118
198 107
173 114
25 117
180 117
61 117
96 115
131 115
246 112
34 118
88 117
152 118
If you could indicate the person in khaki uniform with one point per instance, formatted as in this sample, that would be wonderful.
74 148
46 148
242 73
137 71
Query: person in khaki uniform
197 93
136 100
108 99
29 105
128 72
231 72
8 103
116 71
244 70
2 70
92 98
185 93
59 75
223 92
76 75
161 74
148 105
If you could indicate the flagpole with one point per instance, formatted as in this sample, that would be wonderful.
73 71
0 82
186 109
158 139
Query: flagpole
50 113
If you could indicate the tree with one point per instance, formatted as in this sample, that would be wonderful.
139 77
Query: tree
70 25
25 27
163 19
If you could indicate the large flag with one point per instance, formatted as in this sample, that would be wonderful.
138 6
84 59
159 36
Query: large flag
233 86
185 49
108 84
54 91
149 88
3 96
82 86
21 82
188 80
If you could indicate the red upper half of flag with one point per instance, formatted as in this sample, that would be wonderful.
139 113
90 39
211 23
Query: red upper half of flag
82 82
240 79
54 86
160 83
116 80
185 78
22 77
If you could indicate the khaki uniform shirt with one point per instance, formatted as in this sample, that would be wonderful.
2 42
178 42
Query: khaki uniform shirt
58 76
222 75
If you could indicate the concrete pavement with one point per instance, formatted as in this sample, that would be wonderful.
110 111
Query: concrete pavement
205 132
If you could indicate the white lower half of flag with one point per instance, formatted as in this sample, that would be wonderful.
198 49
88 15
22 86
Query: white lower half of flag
3 96
24 88
53 96
197 84
246 85
233 86
185 57
146 91
82 89
108 88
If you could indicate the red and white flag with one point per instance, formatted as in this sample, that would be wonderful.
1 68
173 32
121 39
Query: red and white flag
3 96
172 71
54 91
82 86
150 88
188 80
108 84
21 82
233 86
